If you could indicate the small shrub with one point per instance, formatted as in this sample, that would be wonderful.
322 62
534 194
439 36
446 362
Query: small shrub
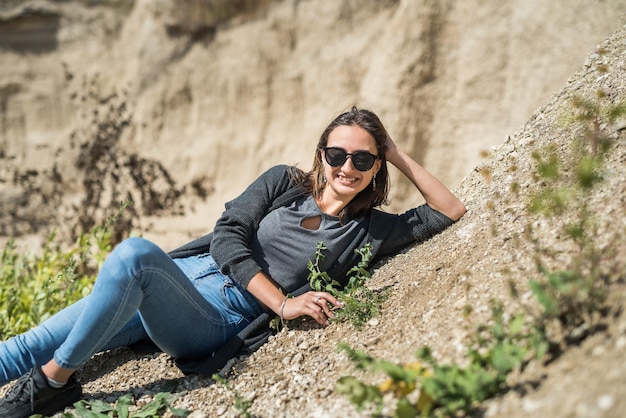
426 387
35 286
360 303
573 294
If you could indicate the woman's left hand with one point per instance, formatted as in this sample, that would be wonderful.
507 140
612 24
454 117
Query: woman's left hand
391 150
437 195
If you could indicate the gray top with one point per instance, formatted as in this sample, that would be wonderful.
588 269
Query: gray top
282 246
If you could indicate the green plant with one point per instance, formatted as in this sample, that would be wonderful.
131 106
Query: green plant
427 386
505 344
319 280
35 286
569 179
161 403
360 303
402 381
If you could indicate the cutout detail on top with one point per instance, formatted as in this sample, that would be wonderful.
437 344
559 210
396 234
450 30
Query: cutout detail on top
312 223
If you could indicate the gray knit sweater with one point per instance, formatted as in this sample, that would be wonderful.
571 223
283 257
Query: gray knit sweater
230 241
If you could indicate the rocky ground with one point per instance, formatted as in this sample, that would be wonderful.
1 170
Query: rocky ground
440 291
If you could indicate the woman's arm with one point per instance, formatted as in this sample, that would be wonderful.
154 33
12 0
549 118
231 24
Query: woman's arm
239 221
314 304
437 195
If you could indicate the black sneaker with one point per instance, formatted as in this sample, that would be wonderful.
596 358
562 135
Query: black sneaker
32 394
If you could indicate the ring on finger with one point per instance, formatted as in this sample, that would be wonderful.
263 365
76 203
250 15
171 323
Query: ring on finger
317 300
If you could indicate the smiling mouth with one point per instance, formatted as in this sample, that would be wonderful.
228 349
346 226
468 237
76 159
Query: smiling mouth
345 179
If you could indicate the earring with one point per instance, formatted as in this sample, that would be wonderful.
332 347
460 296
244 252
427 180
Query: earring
374 183
323 178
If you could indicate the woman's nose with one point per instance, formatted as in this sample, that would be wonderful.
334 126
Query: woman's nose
347 165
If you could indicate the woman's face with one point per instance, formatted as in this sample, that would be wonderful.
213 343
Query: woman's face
346 181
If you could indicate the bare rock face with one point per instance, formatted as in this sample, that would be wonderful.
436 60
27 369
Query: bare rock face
177 106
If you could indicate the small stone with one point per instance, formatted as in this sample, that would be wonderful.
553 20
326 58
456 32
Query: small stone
530 405
466 232
200 414
598 350
298 358
605 402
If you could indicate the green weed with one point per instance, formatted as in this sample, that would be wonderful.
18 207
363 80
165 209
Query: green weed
426 387
569 178
360 303
161 403
35 286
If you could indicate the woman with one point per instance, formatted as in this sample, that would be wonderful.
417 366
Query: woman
190 302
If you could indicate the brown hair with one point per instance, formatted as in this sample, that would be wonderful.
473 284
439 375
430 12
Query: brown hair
368 198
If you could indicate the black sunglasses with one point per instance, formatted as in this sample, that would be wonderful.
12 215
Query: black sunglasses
362 160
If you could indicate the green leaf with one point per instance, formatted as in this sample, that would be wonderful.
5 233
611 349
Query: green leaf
93 409
547 301
178 412
505 357
587 171
358 392
405 409
516 324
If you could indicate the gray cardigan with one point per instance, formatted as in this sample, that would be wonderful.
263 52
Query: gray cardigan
229 242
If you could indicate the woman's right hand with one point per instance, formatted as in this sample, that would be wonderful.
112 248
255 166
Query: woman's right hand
317 305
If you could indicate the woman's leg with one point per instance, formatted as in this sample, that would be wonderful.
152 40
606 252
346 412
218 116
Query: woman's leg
138 280
20 353
139 276
234 307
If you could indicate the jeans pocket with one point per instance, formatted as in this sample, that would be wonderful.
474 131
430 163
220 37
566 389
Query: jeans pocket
240 301
197 267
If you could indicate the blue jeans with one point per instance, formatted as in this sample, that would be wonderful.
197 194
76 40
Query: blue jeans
187 307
